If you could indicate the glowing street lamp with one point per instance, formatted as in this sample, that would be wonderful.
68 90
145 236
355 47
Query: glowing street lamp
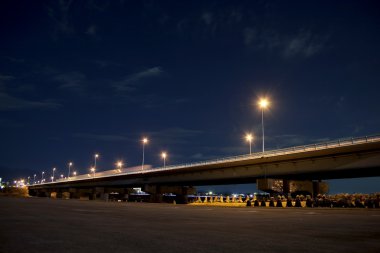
249 138
61 176
42 176
74 173
164 155
263 104
119 165
70 164
52 178
144 141
93 171
34 179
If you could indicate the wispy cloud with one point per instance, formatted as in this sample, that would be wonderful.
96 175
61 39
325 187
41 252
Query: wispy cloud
5 77
60 16
102 137
11 103
207 17
72 81
302 44
129 82
15 60
92 30
3 80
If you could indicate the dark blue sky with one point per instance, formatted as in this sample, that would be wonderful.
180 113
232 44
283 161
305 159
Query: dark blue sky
79 77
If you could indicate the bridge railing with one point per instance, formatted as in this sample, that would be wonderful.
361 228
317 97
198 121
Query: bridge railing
270 153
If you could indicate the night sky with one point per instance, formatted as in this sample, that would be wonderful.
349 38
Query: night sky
80 77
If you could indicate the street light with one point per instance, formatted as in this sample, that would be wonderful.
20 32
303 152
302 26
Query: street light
34 179
70 164
74 173
53 175
42 176
61 176
263 104
93 170
28 180
144 141
119 164
249 138
52 178
163 155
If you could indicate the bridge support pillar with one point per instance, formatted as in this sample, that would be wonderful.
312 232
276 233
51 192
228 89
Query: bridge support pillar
155 192
320 187
286 188
73 193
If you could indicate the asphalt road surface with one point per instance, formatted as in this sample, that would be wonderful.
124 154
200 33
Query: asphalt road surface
56 225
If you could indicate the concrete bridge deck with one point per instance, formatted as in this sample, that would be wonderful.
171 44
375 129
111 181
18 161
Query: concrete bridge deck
355 157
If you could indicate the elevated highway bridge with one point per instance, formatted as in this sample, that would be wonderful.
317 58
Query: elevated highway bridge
302 165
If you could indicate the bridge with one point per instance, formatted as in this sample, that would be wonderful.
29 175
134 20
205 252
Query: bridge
300 168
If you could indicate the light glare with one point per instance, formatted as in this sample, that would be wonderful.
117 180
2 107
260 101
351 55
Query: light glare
263 103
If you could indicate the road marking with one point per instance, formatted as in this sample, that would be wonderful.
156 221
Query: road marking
311 213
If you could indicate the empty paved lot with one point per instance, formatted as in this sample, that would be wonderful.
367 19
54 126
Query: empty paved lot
49 225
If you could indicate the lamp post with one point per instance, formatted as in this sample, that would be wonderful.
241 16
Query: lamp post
144 141
42 176
95 157
68 174
249 138
263 104
163 155
53 175
52 178
28 180
74 173
34 179
61 176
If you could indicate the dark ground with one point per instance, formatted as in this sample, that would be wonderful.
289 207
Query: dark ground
56 225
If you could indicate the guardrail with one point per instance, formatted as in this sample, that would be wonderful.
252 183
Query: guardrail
271 153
